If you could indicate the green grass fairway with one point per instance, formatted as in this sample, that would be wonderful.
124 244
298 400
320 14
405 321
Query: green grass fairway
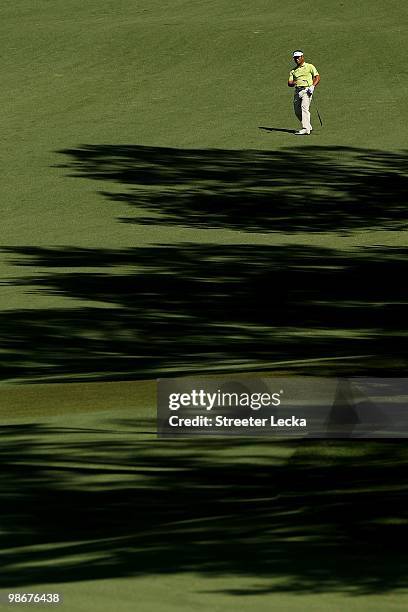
136 178
95 507
159 218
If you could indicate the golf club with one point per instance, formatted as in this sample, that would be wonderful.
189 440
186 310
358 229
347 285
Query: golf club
318 114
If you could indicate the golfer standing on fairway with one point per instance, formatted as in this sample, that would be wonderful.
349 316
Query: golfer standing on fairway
304 79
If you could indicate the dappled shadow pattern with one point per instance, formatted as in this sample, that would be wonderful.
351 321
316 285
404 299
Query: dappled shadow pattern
185 308
77 507
302 189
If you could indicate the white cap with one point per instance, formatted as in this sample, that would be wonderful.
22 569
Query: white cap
297 53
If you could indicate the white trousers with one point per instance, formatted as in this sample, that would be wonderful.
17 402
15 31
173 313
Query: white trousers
301 104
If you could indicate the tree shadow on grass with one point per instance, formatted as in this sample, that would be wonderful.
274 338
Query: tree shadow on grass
186 307
295 517
77 506
303 189
199 307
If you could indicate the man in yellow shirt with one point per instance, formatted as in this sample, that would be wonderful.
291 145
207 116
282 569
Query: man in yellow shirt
304 78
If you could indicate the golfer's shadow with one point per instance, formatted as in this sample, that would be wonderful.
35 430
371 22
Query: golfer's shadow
272 129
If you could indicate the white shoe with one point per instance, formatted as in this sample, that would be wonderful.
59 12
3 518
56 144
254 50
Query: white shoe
303 132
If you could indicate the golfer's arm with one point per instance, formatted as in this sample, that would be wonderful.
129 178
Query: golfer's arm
291 83
316 80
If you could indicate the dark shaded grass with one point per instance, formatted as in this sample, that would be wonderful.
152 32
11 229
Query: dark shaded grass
196 307
331 518
303 189
189 307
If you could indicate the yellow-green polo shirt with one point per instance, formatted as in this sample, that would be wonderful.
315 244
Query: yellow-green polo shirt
303 75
